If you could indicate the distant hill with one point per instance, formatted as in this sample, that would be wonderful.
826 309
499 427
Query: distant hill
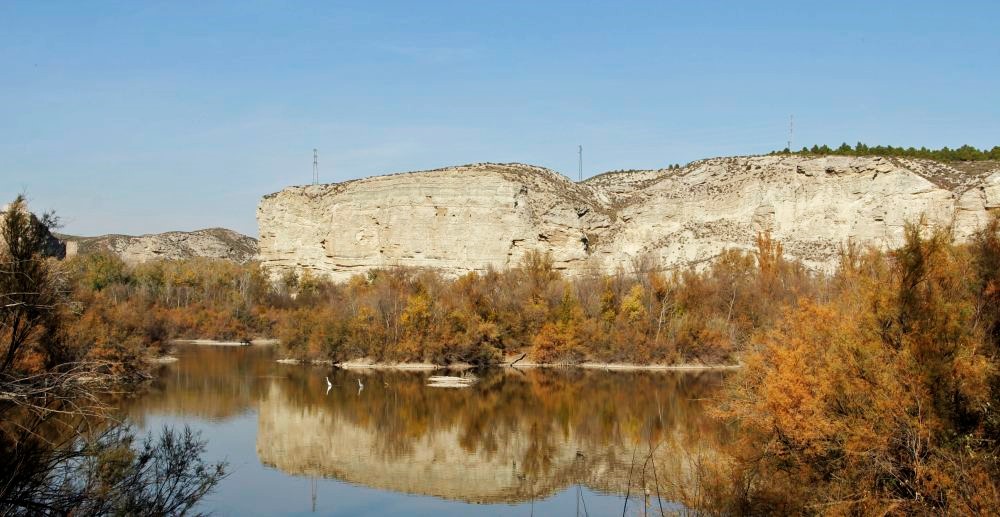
217 243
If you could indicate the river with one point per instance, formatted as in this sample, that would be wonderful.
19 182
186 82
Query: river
517 442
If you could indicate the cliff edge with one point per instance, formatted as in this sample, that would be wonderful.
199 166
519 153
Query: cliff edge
480 216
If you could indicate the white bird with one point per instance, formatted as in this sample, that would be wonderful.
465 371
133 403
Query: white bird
360 386
328 385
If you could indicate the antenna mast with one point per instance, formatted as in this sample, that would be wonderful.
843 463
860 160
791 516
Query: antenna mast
791 131
580 163
315 166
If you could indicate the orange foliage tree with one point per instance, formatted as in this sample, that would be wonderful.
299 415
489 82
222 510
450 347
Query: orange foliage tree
879 399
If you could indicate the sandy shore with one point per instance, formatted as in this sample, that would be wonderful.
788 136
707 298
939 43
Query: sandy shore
371 365
361 364
290 360
509 362
365 365
214 342
624 366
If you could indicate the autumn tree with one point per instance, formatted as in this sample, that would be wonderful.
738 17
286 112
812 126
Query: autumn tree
30 289
879 400
61 453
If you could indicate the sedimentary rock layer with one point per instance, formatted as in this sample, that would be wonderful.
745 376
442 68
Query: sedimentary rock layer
474 217
216 243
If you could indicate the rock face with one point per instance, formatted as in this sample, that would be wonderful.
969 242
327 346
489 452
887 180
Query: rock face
216 243
458 219
475 217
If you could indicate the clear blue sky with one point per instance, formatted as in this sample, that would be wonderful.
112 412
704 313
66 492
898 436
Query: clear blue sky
142 116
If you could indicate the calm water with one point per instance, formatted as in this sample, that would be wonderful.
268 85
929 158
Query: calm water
542 442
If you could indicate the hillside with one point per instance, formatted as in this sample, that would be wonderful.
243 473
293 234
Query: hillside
210 243
481 216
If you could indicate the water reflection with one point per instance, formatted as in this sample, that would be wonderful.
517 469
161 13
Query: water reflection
514 436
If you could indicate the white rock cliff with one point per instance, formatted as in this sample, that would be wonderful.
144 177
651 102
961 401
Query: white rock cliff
215 243
474 217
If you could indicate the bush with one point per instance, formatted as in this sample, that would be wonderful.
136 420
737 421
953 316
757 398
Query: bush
880 397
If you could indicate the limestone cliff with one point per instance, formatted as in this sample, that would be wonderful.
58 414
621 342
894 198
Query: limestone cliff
209 243
473 217
457 219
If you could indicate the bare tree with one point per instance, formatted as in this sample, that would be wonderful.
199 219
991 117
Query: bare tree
79 471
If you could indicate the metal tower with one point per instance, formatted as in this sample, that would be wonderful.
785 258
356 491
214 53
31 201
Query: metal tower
315 166
791 131
580 163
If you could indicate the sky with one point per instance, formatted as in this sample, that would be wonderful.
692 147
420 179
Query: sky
141 117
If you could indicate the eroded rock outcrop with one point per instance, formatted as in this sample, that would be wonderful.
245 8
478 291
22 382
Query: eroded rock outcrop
218 243
474 217
457 219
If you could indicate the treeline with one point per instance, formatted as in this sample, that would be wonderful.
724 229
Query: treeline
639 315
965 153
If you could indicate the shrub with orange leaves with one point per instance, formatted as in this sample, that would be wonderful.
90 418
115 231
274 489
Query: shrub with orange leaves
880 399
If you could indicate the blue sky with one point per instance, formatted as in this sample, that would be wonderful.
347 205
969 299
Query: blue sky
138 117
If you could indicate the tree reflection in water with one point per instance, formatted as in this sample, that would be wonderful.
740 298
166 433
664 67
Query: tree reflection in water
516 435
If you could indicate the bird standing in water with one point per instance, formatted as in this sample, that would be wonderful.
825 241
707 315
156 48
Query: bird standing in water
360 386
328 384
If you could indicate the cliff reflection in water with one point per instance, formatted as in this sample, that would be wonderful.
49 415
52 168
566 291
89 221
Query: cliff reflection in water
512 437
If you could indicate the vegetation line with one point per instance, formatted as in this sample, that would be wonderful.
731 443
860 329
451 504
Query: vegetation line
637 318
945 154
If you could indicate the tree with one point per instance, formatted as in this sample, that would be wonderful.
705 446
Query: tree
880 399
30 291
109 474
51 462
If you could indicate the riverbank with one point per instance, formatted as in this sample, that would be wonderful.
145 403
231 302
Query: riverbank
170 358
369 365
361 364
626 366
513 361
215 342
